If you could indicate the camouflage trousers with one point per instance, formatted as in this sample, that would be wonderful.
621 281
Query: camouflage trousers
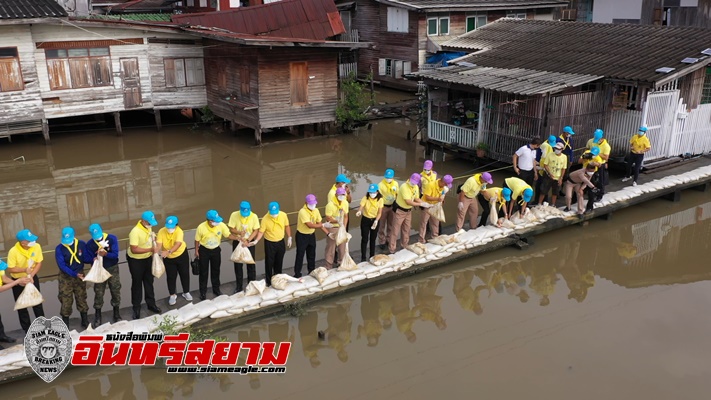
114 284
71 288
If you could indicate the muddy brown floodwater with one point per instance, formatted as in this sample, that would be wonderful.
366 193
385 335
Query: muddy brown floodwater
613 309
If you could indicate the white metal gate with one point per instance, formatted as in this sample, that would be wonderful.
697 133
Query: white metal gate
658 115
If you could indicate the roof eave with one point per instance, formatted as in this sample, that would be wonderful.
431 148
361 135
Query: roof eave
399 4
685 71
491 8
28 21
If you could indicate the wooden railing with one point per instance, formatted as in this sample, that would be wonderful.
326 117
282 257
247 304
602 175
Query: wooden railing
351 36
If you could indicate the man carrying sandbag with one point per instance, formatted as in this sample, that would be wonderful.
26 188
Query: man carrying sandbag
468 204
70 255
408 196
245 224
434 193
208 237
275 225
336 210
141 247
25 260
309 219
105 245
6 283
388 188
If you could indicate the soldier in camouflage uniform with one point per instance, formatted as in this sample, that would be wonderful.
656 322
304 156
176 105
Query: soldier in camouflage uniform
105 245
70 255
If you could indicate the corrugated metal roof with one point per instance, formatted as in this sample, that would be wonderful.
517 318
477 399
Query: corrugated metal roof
435 5
23 9
618 51
514 80
303 19
165 17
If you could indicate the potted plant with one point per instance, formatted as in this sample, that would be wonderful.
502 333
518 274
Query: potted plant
481 149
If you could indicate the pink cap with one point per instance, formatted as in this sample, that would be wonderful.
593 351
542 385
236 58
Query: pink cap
415 179
428 164
311 199
341 190
447 179
487 178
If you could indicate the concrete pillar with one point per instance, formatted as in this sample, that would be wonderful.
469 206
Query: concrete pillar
258 136
45 130
117 121
159 124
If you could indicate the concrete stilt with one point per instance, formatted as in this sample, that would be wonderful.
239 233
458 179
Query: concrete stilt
258 136
607 216
674 196
117 121
702 188
45 130
159 124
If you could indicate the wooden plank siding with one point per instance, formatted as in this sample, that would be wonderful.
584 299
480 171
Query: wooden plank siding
174 97
21 105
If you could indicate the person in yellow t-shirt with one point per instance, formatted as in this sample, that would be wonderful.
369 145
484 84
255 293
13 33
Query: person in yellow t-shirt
388 188
515 188
554 165
245 224
7 283
309 219
336 214
408 196
591 157
25 260
486 197
370 211
605 150
141 247
171 242
275 225
434 194
468 204
639 145
208 237
427 176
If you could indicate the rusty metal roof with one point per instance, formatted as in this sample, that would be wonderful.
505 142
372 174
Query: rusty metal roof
303 19
23 9
616 51
472 5
514 80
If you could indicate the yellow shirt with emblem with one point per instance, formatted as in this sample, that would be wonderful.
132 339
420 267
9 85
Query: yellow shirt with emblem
246 225
426 179
168 240
306 215
273 227
407 192
517 186
370 206
596 159
555 163
605 147
332 193
432 190
18 257
210 237
472 186
140 236
493 191
640 143
332 209
545 149
388 191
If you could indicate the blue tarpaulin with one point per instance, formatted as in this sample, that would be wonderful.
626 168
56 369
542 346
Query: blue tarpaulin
444 57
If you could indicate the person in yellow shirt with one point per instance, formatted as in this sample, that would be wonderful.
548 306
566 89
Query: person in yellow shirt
515 188
341 181
427 176
309 219
554 165
408 196
245 224
370 211
486 197
546 147
592 157
467 198
336 214
388 188
171 242
141 247
208 237
434 193
275 225
25 260
605 150
639 144
6 283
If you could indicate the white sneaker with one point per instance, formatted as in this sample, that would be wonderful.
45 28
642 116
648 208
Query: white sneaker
634 183
171 300
626 179
187 297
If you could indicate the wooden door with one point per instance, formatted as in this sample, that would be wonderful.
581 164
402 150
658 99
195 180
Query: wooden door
131 79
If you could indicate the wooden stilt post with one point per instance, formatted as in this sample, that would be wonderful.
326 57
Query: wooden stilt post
45 130
233 126
258 136
159 124
117 121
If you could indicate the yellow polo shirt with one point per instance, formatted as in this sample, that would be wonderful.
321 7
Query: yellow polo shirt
596 159
545 149
426 179
556 164
517 186
140 236
370 206
168 240
273 227
388 191
306 215
472 186
407 192
17 257
332 210
210 237
2 273
640 143
432 190
605 147
246 225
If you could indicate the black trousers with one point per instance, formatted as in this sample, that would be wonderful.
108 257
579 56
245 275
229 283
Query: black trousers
251 268
141 281
485 211
305 245
367 236
23 313
210 261
636 160
178 266
528 176
273 258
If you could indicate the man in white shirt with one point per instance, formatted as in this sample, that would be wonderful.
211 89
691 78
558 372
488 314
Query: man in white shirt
524 161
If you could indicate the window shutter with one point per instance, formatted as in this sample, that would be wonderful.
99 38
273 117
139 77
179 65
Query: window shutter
179 73
10 77
58 73
381 66
169 72
398 69
407 67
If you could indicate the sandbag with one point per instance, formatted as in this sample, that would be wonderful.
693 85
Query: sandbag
242 255
186 313
320 274
347 264
437 212
438 241
219 314
505 223
255 287
281 281
270 294
205 308
29 297
97 273
341 235
158 268
380 259
417 248
492 214
223 302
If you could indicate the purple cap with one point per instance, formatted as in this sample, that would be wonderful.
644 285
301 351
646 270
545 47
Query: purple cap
487 178
311 199
447 179
415 179
341 190
428 164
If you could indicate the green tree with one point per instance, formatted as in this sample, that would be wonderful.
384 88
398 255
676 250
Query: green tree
352 105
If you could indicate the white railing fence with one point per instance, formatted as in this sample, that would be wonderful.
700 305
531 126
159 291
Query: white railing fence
620 126
452 134
692 131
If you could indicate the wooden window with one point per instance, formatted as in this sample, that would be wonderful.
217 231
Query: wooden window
398 20
10 74
516 15
438 25
394 68
78 68
181 72
299 80
475 21
244 80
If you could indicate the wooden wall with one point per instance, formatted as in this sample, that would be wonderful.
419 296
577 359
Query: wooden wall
174 97
25 105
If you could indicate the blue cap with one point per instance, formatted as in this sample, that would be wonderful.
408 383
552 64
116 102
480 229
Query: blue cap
68 235
506 192
25 234
598 135
3 265
389 174
595 151
528 195
341 178
96 232
213 216
568 130
373 188
149 217
643 129
273 208
245 209
552 140
171 222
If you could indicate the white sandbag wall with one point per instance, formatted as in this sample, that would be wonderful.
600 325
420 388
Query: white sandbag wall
257 295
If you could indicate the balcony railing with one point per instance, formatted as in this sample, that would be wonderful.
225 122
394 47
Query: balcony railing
351 36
